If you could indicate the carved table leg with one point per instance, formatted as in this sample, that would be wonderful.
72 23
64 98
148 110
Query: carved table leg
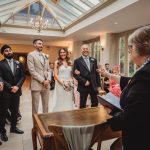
34 138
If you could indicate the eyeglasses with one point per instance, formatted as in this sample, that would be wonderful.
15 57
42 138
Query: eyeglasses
130 47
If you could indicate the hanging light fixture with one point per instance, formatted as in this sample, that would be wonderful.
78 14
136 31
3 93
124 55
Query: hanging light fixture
39 23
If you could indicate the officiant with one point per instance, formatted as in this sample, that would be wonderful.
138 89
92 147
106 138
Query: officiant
135 98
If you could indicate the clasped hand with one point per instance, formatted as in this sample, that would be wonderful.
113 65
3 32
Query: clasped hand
1 86
46 83
14 89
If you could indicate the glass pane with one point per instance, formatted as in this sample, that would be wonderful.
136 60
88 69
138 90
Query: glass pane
122 54
95 2
35 8
94 49
81 4
68 6
23 12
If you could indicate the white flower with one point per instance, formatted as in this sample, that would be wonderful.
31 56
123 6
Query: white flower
68 85
92 59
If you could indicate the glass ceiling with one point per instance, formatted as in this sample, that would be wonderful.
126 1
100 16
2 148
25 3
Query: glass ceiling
59 13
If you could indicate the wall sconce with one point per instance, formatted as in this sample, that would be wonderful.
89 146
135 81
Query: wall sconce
101 47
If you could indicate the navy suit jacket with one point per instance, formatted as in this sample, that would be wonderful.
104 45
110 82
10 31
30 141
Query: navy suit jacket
134 120
9 79
85 74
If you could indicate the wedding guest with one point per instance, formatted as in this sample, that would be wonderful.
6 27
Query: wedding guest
114 86
106 80
134 119
13 76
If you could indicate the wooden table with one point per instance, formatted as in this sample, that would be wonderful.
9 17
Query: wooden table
48 128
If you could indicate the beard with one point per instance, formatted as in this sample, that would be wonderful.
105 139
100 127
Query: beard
9 56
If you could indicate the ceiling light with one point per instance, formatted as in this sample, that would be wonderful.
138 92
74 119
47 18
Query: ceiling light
39 23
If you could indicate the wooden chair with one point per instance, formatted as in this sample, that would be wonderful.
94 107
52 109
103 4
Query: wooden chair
117 144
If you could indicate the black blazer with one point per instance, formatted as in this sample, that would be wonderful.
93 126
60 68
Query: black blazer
85 74
134 121
10 79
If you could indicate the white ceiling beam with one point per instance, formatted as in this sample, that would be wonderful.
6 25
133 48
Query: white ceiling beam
28 14
23 5
27 31
42 14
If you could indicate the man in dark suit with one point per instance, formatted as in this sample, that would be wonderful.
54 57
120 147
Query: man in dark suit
12 75
106 80
88 79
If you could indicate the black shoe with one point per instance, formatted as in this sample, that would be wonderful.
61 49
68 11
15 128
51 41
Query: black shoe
3 137
16 130
0 143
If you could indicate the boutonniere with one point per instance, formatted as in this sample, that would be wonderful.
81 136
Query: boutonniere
92 59
17 66
46 56
17 62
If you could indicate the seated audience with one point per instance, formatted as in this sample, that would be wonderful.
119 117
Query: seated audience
106 80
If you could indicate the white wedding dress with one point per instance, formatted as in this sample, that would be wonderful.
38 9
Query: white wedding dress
63 100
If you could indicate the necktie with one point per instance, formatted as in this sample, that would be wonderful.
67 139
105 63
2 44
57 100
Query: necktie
41 58
87 62
11 66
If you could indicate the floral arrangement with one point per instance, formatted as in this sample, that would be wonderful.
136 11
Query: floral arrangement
68 85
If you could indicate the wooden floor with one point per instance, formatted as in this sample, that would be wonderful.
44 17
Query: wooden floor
24 142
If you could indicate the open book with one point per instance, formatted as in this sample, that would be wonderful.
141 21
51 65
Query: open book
109 100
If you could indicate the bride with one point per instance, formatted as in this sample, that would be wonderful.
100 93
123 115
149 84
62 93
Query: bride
63 92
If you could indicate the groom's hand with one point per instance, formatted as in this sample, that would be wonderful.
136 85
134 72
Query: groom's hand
87 83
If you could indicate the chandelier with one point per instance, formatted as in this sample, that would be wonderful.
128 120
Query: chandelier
39 23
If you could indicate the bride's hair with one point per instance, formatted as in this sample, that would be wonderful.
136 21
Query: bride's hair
60 60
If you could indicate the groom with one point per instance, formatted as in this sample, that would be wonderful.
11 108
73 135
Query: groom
88 79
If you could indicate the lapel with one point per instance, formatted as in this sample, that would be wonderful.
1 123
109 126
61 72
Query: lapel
83 63
15 67
127 88
36 55
91 63
8 67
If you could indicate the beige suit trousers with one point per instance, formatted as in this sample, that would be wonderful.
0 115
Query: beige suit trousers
35 100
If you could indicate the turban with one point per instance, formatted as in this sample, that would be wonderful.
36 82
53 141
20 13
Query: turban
4 47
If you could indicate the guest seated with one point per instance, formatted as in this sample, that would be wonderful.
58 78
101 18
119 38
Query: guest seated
114 86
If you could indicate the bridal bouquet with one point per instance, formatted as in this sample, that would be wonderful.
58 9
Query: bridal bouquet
68 85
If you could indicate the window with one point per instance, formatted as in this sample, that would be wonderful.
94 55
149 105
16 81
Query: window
122 54
94 48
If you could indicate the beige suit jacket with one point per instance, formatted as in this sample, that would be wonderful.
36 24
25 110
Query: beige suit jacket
39 71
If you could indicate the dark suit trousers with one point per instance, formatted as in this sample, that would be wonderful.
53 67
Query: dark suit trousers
4 104
14 107
13 104
83 98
